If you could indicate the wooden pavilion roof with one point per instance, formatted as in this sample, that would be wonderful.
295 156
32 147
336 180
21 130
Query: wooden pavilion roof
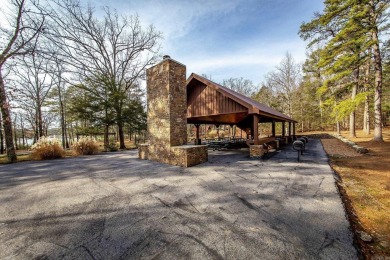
211 103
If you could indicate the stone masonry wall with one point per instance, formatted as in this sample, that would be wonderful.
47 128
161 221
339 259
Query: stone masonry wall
167 103
256 151
188 155
167 117
143 151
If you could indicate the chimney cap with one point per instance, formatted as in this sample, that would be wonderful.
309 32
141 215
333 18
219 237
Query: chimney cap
166 57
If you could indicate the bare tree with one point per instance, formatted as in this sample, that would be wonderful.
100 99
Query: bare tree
265 95
209 77
32 86
29 116
19 38
115 48
48 119
58 71
240 85
284 81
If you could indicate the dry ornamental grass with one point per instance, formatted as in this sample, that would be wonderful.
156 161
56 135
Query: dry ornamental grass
86 146
47 148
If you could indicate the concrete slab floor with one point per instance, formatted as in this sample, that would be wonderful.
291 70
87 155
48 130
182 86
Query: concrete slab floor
115 206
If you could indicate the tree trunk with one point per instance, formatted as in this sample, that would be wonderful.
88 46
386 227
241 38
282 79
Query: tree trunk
121 136
15 135
36 131
366 123
1 135
7 124
105 139
70 138
71 134
321 116
338 127
40 121
62 118
366 115
22 133
66 135
129 133
63 127
106 128
378 80
66 132
352 130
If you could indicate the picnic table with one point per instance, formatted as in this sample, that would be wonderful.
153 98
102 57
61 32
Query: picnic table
225 143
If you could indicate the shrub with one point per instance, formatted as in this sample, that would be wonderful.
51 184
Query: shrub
47 148
112 147
86 146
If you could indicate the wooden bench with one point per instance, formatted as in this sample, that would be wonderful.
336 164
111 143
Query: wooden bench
269 143
264 140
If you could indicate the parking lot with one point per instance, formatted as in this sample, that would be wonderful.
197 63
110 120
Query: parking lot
115 206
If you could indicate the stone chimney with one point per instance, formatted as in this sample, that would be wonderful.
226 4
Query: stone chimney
167 103
167 117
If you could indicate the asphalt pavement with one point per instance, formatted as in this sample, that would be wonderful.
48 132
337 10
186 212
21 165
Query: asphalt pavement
115 206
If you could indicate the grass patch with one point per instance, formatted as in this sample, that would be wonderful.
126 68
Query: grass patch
25 155
20 158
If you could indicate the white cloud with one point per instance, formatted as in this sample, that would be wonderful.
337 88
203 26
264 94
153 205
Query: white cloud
175 18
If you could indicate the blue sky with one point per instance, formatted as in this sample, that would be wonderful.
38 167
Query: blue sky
231 38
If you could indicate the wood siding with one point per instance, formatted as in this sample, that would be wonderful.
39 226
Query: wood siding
204 101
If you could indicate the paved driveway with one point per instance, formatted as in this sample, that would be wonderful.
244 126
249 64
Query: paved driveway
114 206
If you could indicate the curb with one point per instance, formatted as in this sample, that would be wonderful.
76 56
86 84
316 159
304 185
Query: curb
359 149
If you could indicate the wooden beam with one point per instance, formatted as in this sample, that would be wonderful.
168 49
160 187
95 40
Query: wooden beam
197 134
273 128
283 129
294 130
289 129
256 129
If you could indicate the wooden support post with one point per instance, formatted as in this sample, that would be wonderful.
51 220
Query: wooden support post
283 129
289 129
273 129
197 139
294 130
256 129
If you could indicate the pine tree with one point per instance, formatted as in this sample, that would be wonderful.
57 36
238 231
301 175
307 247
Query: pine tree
312 81
349 29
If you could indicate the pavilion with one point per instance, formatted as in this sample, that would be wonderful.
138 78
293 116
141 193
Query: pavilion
211 103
